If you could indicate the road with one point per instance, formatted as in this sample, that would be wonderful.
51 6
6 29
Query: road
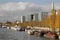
8 34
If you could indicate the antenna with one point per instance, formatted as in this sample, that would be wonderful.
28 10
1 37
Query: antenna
52 5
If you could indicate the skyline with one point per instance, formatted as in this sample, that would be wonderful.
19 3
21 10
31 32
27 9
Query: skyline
11 10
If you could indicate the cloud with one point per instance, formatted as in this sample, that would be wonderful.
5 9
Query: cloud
13 10
1 15
9 11
13 6
19 6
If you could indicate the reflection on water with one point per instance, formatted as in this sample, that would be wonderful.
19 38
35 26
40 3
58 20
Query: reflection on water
7 34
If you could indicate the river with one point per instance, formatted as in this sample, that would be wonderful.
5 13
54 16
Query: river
8 34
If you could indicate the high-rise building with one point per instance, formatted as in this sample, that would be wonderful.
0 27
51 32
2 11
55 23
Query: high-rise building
44 15
57 21
35 17
31 17
22 19
28 18
52 18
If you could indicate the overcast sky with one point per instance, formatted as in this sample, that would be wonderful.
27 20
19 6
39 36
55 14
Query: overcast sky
11 10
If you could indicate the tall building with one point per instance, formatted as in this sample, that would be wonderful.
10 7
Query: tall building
31 17
57 22
44 15
35 17
38 16
52 18
28 18
22 19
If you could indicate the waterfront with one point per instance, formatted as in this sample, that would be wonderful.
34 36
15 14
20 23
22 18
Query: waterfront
8 34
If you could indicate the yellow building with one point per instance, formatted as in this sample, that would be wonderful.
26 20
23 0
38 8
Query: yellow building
57 23
52 18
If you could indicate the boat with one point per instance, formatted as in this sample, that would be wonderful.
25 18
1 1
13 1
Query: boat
30 32
21 29
51 35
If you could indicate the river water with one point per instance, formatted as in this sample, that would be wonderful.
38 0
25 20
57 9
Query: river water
8 34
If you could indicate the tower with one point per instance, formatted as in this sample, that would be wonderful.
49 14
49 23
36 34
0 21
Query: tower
53 5
52 18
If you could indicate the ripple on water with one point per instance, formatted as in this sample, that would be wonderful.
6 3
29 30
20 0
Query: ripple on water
6 34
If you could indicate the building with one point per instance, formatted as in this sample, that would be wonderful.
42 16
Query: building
22 19
52 18
30 18
57 21
44 15
35 17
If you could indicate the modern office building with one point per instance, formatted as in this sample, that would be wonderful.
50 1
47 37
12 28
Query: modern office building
35 17
44 15
22 19
30 17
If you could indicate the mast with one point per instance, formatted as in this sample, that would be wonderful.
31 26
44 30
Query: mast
53 5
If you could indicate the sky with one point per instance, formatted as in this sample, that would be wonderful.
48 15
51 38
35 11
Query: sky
31 1
12 10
